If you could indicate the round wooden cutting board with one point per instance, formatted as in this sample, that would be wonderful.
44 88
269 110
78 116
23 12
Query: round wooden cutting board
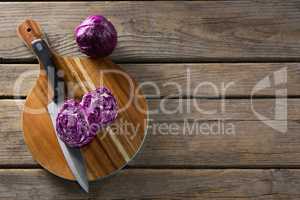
113 146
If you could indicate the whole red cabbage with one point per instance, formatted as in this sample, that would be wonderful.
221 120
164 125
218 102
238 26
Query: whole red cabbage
78 123
96 36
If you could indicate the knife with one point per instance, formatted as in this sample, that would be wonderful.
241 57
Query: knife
72 155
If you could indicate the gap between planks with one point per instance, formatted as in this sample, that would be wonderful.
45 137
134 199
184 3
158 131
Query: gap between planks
174 61
170 167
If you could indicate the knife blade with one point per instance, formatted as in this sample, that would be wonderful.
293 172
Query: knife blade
73 156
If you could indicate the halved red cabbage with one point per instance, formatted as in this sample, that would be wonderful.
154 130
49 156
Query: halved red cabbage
100 107
72 125
78 123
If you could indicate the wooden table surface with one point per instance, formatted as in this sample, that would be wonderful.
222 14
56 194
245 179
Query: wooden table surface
216 43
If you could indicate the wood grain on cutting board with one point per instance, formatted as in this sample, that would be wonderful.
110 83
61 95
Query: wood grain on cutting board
112 148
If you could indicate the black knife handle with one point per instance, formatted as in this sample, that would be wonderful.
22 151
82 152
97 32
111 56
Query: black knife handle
44 54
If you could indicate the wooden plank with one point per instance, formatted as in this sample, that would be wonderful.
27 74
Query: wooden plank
183 139
173 80
167 31
214 144
174 110
156 184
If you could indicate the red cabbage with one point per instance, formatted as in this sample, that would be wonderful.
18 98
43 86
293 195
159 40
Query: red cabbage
72 125
96 36
100 107
78 123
